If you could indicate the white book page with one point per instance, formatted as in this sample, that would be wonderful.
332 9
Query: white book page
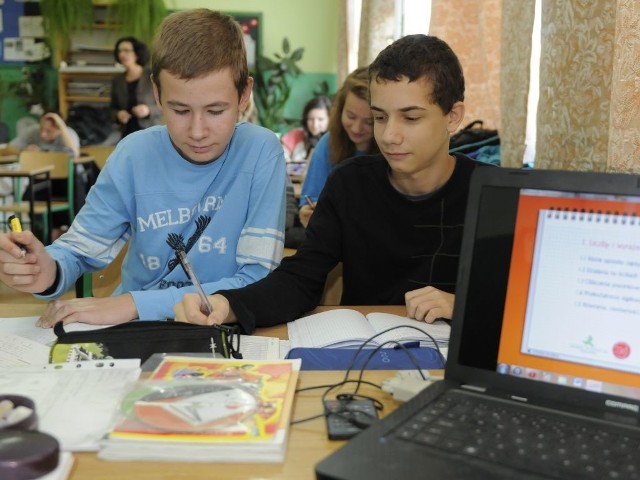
26 327
75 402
20 351
439 330
339 327
255 347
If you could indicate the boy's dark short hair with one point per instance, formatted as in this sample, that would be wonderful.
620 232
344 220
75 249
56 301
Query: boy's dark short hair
139 48
417 56
192 43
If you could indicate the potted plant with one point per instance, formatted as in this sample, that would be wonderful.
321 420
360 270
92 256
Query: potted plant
273 80
31 89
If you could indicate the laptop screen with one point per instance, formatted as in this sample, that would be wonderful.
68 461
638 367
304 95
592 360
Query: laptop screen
548 292
573 294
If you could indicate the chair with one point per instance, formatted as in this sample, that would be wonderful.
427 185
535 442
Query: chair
63 169
103 282
100 153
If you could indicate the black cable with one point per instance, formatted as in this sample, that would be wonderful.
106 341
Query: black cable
359 381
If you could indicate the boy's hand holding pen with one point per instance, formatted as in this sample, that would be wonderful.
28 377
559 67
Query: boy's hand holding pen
310 201
188 268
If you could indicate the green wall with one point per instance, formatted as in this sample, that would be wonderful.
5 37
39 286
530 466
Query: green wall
310 24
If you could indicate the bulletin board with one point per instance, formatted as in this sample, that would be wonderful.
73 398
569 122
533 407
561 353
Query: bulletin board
21 33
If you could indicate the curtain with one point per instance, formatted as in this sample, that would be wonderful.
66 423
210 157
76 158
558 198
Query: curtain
377 29
624 116
366 27
347 36
472 30
517 27
576 61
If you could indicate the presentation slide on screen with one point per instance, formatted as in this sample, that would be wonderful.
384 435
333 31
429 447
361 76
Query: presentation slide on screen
583 303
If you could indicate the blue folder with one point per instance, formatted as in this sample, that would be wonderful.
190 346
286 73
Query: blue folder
383 359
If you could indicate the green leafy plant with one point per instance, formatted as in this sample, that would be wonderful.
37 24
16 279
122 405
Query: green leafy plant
61 18
139 18
273 81
31 88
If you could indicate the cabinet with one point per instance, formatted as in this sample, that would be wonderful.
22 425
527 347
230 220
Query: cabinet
86 84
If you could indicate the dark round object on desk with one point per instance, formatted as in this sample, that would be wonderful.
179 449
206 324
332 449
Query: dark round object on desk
28 423
25 455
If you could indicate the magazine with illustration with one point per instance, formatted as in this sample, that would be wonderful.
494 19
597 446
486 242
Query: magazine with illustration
207 410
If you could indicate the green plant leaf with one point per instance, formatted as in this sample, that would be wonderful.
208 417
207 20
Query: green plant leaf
296 56
272 86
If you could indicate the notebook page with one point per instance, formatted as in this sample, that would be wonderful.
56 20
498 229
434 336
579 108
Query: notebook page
85 395
255 347
439 330
26 327
336 328
20 351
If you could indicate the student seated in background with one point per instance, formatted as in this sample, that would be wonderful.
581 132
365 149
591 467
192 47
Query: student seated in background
350 133
51 134
300 142
394 220
202 183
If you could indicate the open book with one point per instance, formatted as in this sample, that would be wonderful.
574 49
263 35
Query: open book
350 328
207 410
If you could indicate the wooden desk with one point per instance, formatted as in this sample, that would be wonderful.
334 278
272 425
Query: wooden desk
307 442
4 159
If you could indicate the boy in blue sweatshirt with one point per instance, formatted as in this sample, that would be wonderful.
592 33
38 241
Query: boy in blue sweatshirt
202 182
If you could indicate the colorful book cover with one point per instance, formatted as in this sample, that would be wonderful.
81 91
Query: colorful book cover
208 400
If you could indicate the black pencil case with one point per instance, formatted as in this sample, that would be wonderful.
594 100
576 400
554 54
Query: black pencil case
141 339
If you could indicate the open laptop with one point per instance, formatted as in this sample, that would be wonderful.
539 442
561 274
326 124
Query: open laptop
546 322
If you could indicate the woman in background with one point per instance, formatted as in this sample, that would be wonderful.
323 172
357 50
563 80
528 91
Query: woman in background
300 142
132 100
350 134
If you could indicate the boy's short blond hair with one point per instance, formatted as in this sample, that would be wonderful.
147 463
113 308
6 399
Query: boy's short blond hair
191 43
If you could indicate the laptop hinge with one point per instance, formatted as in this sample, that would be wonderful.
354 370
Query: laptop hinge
474 388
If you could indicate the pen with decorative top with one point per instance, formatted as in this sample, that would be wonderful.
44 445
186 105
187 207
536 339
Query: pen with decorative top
186 264
16 226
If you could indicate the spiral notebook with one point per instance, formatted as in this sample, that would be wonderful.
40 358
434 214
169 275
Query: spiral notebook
546 324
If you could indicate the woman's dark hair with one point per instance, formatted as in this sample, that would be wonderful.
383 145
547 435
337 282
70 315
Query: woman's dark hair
139 48
319 102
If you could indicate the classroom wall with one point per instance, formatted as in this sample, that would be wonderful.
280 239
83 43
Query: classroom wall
304 22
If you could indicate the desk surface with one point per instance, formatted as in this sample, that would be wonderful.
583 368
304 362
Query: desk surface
16 170
307 443
8 159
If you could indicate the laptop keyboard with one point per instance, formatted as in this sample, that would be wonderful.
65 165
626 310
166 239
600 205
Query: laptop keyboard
524 439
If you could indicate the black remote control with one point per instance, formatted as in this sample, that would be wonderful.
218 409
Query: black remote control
346 418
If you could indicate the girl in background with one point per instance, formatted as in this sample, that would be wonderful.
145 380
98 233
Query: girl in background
299 142
350 134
